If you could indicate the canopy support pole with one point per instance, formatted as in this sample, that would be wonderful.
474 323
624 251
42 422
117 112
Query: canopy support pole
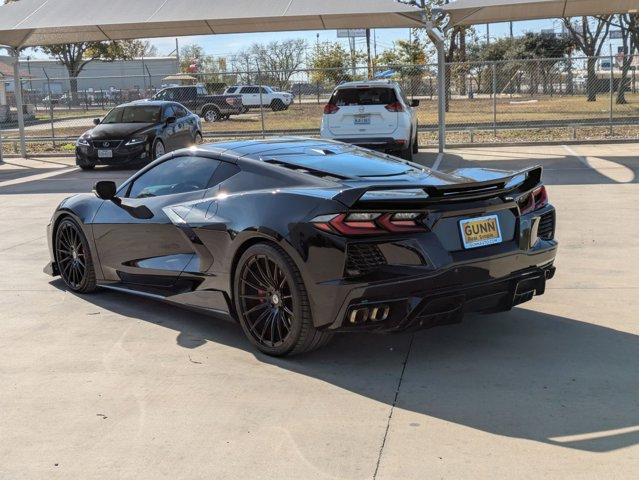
437 37
17 87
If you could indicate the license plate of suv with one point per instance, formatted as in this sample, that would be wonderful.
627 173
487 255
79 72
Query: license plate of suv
105 153
362 120
480 231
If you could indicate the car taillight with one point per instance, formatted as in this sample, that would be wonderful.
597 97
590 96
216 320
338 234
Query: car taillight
536 200
329 109
395 107
369 223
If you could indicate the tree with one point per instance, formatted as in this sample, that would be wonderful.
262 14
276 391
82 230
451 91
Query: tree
278 61
76 56
331 64
629 25
590 36
193 59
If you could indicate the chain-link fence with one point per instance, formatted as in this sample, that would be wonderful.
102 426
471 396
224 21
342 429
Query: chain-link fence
535 100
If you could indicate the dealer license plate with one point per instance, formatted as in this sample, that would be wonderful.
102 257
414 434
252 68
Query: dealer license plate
481 231
105 153
362 120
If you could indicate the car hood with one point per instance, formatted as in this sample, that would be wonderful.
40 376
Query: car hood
118 131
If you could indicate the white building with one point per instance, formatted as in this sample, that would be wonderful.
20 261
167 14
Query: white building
98 75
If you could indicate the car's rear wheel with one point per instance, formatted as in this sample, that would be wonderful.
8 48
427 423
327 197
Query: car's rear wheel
416 144
86 166
211 115
272 303
199 140
73 257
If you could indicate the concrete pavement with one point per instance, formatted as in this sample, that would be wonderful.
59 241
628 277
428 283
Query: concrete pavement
112 386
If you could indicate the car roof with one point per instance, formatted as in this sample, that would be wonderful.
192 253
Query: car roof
153 103
316 155
369 83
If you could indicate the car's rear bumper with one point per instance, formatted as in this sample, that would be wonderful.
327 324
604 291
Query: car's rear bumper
121 156
413 305
375 143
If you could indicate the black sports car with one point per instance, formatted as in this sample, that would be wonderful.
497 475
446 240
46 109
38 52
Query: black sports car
137 133
297 239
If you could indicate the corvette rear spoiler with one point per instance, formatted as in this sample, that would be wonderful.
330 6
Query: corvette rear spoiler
516 182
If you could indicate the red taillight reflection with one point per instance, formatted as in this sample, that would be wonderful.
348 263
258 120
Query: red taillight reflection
536 200
395 107
330 108
376 225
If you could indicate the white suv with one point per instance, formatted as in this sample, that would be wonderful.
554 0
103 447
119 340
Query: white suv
252 94
375 114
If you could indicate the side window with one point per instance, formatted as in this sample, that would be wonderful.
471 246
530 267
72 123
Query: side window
168 95
201 91
160 95
180 111
168 112
264 90
224 172
250 90
176 175
231 90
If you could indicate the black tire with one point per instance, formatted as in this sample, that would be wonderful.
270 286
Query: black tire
416 143
275 318
407 153
73 257
245 110
226 117
87 167
277 105
211 115
198 140
158 149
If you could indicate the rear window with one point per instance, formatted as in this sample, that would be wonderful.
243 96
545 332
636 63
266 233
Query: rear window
345 97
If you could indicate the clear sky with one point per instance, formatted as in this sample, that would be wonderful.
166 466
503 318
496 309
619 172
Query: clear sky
228 45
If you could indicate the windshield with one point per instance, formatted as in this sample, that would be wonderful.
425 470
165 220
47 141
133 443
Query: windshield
137 114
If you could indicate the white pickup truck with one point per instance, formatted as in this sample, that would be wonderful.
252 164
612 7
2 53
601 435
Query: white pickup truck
255 95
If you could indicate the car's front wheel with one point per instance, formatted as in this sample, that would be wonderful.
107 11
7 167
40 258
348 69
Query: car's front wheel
73 257
277 105
272 303
158 149
87 166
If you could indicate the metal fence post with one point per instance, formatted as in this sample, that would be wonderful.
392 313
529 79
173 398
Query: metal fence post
612 87
494 98
51 110
259 76
17 87
1 160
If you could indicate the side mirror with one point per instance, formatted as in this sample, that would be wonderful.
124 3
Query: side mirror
414 103
171 120
96 121
105 190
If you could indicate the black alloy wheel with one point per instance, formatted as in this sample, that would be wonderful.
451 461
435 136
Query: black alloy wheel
73 257
272 303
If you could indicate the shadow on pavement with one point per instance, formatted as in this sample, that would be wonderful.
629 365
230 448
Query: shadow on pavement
523 374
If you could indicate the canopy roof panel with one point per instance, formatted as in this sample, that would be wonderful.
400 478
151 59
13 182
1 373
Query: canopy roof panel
470 12
46 22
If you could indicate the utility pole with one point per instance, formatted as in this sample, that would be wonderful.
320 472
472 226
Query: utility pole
488 33
177 55
368 52
511 30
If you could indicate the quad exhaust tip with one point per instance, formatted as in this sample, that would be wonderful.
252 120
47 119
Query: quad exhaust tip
377 313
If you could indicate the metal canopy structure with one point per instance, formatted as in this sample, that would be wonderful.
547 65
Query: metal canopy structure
45 22
471 12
